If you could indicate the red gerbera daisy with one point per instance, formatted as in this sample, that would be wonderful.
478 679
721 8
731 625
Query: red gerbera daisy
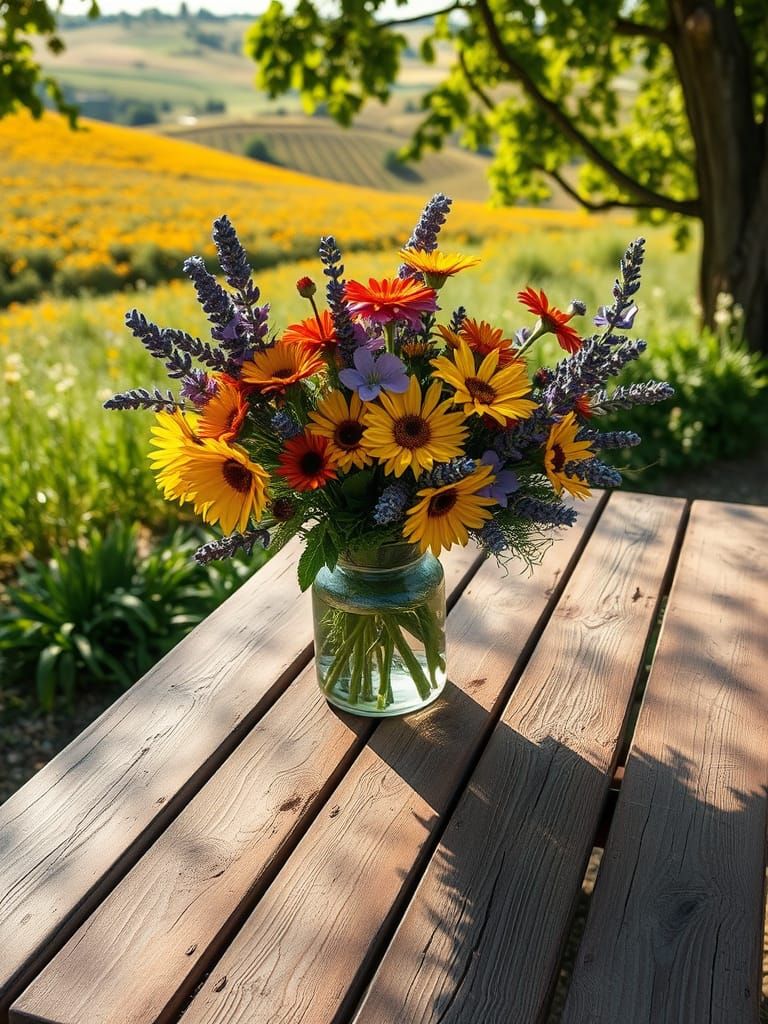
552 319
393 298
583 407
315 334
305 462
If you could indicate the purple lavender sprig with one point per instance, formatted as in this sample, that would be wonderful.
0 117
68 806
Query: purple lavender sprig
333 268
175 348
217 550
199 387
140 398
458 318
445 473
285 425
610 439
646 393
424 237
525 434
546 513
594 472
216 302
624 287
588 369
233 258
492 538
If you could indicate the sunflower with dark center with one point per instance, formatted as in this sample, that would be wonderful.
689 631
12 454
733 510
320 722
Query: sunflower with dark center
486 390
175 439
562 448
409 431
275 369
444 515
224 484
306 463
341 422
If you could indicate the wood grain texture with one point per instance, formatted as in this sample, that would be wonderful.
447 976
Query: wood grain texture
72 830
143 950
481 939
674 932
303 954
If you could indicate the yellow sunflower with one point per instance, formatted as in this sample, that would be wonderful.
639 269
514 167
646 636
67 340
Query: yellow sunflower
225 485
436 266
445 514
486 390
342 424
276 368
174 437
406 432
562 448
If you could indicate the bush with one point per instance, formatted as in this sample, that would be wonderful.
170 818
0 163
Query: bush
720 407
257 148
101 613
395 165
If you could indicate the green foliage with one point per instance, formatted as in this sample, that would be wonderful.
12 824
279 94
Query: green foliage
257 148
319 550
22 79
101 612
720 408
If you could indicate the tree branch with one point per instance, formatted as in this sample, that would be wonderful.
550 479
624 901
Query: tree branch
421 17
474 85
588 204
645 196
626 27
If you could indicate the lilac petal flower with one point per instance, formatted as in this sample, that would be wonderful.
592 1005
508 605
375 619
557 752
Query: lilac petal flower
506 481
522 334
371 375
624 322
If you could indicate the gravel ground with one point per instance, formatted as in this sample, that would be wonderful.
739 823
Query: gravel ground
28 739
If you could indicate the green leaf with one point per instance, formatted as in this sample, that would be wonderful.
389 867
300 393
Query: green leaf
314 556
46 676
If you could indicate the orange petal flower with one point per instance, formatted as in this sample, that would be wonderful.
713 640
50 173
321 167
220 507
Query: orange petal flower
313 335
553 320
224 414
482 338
437 266
274 369
306 463
393 298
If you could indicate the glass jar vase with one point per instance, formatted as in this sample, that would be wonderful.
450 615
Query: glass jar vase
380 631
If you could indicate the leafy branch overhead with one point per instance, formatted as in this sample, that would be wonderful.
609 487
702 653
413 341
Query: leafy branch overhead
22 81
657 105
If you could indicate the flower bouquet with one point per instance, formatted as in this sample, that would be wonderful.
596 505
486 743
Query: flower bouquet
383 437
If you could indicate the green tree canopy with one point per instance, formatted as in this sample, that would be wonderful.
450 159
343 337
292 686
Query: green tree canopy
22 81
656 105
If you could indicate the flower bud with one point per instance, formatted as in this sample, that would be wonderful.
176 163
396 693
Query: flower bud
306 287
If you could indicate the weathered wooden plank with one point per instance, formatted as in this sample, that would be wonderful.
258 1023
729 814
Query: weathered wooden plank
308 945
143 950
72 830
482 937
674 932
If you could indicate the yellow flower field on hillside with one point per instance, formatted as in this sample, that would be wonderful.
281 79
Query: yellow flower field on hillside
107 206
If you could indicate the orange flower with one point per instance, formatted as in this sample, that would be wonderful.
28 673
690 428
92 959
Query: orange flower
481 338
583 407
274 369
551 319
306 463
393 298
223 415
313 335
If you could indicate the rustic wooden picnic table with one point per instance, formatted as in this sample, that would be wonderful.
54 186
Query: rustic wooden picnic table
223 846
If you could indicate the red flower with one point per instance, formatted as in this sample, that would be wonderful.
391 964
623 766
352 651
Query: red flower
552 319
583 408
304 462
306 287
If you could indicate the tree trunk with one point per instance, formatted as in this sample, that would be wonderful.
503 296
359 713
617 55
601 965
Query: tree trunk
713 63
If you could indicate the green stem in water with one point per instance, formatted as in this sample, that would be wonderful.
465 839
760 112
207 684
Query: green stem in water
369 639
342 655
409 660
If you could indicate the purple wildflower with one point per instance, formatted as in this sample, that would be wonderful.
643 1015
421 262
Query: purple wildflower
506 481
445 473
390 507
199 387
624 321
424 237
370 375
492 537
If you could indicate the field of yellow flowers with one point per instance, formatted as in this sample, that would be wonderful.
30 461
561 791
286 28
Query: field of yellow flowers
105 207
